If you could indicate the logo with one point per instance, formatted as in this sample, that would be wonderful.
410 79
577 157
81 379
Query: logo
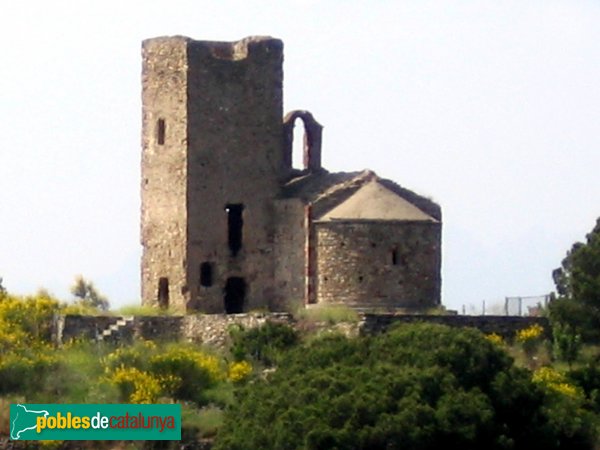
95 422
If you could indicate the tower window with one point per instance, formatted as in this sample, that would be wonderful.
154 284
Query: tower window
206 274
235 222
394 257
161 128
163 292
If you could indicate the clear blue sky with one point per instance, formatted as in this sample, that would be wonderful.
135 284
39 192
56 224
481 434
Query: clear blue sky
492 108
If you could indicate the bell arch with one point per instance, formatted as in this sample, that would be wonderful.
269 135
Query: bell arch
313 132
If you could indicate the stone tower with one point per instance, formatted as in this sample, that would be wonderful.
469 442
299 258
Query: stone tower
212 164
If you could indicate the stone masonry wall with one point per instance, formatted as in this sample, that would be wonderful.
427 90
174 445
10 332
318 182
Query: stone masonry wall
210 330
370 264
164 172
213 329
290 243
235 141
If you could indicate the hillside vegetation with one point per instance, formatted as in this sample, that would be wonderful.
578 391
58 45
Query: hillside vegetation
417 386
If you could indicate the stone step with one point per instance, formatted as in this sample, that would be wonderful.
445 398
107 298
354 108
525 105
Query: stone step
120 323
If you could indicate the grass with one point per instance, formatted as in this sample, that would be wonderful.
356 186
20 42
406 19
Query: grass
201 423
331 314
221 395
77 309
79 376
140 310
540 358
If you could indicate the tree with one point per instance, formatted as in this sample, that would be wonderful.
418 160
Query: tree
3 291
566 344
578 286
86 293
419 386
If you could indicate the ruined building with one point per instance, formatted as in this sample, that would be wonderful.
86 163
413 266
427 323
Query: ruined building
228 225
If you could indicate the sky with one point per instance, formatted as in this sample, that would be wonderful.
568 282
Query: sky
491 108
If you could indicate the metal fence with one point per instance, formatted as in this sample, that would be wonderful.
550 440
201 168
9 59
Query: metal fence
523 306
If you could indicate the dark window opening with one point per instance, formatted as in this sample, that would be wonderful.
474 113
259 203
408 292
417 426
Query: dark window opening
163 292
394 257
360 279
161 128
235 295
206 274
235 222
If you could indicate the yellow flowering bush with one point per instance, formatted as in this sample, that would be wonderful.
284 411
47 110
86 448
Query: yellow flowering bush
134 356
136 386
495 339
178 371
26 356
197 370
169 384
530 338
530 333
182 359
29 315
239 371
555 381
10 337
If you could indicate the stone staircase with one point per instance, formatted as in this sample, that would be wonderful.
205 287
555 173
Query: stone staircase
115 330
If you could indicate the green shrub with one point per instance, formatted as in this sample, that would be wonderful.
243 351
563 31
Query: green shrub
566 344
147 371
588 379
419 386
264 343
24 374
192 372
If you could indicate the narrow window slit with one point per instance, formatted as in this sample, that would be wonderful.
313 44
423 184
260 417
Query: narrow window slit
161 129
206 274
235 222
163 292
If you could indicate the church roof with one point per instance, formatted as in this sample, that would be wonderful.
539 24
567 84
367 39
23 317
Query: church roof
327 191
373 201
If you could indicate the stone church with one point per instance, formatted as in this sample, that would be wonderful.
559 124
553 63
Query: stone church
229 226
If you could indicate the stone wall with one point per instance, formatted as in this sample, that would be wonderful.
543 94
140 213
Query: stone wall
66 328
235 141
203 329
290 254
164 168
378 264
213 329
